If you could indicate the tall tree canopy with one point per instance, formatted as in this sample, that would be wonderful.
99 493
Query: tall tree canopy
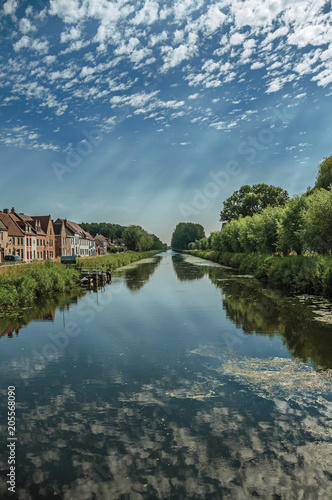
185 233
139 240
250 200
324 176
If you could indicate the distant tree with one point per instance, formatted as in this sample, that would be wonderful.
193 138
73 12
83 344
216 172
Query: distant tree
250 200
139 240
324 176
185 233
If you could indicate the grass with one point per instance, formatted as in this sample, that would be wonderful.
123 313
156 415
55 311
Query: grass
24 285
113 261
296 273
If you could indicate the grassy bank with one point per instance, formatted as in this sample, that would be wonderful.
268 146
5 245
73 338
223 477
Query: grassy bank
24 285
113 261
310 274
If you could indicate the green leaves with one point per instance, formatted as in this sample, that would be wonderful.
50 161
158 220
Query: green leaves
185 233
248 201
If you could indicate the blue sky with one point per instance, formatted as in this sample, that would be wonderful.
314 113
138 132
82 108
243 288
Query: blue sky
152 112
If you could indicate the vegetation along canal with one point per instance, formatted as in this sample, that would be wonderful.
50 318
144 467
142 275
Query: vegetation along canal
180 379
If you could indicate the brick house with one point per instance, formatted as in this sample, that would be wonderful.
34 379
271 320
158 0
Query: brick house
16 237
62 238
46 224
3 240
30 242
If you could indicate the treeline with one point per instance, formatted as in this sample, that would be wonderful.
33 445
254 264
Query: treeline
302 224
134 237
139 240
112 231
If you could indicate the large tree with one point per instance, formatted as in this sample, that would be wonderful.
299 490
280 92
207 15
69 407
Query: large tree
324 176
250 200
185 233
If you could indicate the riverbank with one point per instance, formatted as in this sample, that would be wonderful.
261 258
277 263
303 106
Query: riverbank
23 285
311 274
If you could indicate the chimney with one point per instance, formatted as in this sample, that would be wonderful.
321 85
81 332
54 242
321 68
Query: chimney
12 210
5 210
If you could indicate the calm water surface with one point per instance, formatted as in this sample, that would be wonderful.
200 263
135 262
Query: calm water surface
179 380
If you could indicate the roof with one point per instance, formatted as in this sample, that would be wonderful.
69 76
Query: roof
31 222
13 228
101 238
44 221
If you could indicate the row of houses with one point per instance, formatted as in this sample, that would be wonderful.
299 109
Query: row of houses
39 237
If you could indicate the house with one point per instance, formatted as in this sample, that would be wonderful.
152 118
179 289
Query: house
62 238
99 247
79 241
103 241
15 244
92 245
39 242
46 224
30 241
3 240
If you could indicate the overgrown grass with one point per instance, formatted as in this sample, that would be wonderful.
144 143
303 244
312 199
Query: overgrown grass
114 261
23 285
26 284
296 273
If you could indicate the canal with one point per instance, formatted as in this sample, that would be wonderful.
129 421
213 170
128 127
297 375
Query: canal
179 380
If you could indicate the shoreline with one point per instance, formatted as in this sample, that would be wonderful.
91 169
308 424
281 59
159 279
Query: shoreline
24 285
295 274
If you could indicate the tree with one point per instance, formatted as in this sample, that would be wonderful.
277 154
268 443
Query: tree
139 240
324 176
316 233
250 200
291 223
185 233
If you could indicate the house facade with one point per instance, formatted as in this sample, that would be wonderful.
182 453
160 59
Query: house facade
62 238
103 241
3 240
16 237
46 224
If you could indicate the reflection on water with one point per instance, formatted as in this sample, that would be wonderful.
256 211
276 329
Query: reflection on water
162 395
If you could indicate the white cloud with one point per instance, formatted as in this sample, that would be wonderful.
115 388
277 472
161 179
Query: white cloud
69 10
9 7
72 34
26 26
174 57
148 14
237 39
40 46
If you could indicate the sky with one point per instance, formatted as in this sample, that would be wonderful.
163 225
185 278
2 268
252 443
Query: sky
153 112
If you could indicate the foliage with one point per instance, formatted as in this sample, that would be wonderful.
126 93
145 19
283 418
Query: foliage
139 240
250 200
112 231
299 274
324 176
34 281
291 225
316 233
114 261
185 233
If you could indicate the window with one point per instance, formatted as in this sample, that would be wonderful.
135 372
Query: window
1 236
50 231
21 241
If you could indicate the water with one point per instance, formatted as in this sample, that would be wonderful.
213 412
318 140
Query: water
179 380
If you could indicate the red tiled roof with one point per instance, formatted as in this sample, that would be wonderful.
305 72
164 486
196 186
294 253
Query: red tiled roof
13 228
